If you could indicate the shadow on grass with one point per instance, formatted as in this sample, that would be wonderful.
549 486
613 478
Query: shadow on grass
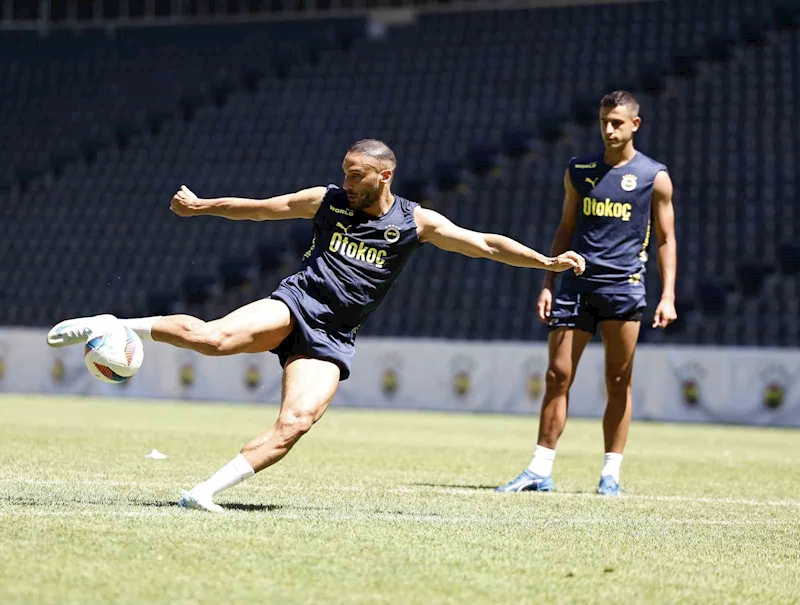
252 507
225 505
454 486
56 503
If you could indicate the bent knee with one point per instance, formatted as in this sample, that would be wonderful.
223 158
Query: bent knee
618 383
200 336
558 377
211 340
295 423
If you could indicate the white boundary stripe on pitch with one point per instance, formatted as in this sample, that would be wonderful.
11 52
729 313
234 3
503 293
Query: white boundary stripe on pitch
378 516
403 489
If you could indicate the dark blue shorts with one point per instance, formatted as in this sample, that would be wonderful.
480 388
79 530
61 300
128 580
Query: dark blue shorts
584 311
309 338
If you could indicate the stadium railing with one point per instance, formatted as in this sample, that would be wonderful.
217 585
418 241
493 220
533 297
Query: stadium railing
45 15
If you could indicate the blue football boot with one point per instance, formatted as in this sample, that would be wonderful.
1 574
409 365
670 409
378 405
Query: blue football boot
528 481
608 486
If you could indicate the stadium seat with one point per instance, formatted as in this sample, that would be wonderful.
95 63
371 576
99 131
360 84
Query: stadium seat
100 130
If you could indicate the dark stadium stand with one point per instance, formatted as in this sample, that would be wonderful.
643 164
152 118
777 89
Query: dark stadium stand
483 109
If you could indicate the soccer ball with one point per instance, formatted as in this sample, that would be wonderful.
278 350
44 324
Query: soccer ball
114 354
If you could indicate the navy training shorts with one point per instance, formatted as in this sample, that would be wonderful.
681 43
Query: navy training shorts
584 311
309 337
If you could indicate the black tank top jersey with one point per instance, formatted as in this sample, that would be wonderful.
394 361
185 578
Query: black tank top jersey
353 261
613 223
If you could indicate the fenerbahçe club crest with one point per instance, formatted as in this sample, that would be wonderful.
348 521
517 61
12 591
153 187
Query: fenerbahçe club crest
392 234
628 182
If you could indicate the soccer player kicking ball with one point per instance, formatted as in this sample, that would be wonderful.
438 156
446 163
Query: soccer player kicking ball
363 236
610 198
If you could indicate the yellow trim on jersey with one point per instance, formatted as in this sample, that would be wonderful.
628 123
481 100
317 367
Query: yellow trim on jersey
311 249
643 253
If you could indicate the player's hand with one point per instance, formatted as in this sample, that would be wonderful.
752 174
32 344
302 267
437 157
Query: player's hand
569 260
665 313
544 304
184 202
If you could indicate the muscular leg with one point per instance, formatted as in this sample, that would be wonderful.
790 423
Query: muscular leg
565 348
619 340
260 326
257 327
308 388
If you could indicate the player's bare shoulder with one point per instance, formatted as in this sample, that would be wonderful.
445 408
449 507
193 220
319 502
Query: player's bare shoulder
306 202
662 185
428 222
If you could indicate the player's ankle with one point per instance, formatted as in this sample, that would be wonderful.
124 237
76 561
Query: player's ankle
612 463
202 491
233 473
542 462
143 326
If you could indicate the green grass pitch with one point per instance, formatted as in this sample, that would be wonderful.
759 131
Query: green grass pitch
386 507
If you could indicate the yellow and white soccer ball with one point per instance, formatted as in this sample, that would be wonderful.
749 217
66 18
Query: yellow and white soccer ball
113 354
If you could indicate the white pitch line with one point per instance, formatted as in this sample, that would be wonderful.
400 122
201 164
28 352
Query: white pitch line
378 516
410 489
692 499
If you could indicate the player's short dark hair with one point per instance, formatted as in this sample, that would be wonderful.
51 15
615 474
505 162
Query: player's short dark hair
620 98
375 149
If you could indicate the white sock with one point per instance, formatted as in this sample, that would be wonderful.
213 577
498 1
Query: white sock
611 467
233 473
141 325
542 463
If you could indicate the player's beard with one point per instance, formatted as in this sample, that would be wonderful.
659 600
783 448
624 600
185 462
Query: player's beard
364 200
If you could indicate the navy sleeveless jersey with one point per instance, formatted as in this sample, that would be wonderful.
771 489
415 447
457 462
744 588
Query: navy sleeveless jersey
613 224
353 261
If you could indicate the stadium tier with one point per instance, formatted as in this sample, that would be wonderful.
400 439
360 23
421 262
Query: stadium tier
483 109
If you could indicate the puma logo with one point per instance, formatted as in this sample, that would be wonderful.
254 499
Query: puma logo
342 227
592 182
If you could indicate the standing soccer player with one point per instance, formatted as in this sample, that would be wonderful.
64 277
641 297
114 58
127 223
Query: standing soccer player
363 236
609 202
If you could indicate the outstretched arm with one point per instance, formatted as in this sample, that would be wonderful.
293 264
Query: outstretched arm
441 232
664 216
301 204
